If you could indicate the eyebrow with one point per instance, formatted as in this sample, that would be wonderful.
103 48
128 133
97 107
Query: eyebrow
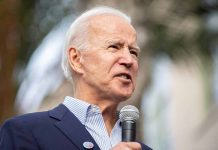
118 41
114 41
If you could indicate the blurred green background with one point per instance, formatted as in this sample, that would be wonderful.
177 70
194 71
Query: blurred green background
177 91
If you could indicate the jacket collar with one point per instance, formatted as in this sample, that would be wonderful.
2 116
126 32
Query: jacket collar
71 127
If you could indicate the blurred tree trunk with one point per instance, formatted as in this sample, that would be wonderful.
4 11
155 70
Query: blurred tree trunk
8 54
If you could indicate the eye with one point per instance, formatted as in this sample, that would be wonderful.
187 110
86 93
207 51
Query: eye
134 52
114 46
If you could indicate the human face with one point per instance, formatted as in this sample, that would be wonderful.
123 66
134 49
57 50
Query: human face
111 63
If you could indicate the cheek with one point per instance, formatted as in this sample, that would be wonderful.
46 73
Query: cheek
135 68
135 72
96 65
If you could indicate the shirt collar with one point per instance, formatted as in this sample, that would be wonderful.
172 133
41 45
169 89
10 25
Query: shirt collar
80 108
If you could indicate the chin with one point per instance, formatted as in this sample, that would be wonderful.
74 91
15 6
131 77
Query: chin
123 96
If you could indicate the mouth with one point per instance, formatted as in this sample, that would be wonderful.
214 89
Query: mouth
124 76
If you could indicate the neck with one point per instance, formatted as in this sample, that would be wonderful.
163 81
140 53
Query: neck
110 116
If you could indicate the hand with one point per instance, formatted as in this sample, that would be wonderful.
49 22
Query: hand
127 146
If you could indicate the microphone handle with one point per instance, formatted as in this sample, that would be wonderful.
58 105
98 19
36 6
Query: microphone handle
128 131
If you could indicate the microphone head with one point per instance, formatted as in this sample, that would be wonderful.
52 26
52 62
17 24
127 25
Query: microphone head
129 112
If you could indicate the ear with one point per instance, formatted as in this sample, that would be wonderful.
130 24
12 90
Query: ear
74 57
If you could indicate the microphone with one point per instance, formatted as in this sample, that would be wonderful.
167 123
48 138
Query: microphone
128 116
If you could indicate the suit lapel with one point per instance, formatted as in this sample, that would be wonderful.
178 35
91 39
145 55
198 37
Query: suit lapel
72 127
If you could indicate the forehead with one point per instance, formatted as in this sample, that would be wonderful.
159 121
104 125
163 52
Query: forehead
107 25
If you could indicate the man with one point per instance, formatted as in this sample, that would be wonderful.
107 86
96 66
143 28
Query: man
101 57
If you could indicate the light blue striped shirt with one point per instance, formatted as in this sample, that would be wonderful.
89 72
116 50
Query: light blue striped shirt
90 116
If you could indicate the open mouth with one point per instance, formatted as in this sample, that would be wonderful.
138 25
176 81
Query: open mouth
124 76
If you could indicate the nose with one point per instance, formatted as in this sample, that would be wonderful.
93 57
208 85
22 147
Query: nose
126 59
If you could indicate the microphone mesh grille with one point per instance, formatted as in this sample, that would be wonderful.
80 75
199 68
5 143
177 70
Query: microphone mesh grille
129 112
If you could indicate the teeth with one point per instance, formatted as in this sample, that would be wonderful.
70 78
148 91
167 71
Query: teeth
124 76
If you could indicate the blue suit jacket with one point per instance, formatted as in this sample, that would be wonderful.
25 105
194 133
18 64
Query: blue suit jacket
57 129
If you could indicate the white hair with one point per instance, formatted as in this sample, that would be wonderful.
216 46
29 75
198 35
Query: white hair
78 31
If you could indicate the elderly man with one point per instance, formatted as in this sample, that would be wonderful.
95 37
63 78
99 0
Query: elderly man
101 58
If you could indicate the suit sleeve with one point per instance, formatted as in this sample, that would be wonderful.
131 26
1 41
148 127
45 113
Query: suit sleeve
15 135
